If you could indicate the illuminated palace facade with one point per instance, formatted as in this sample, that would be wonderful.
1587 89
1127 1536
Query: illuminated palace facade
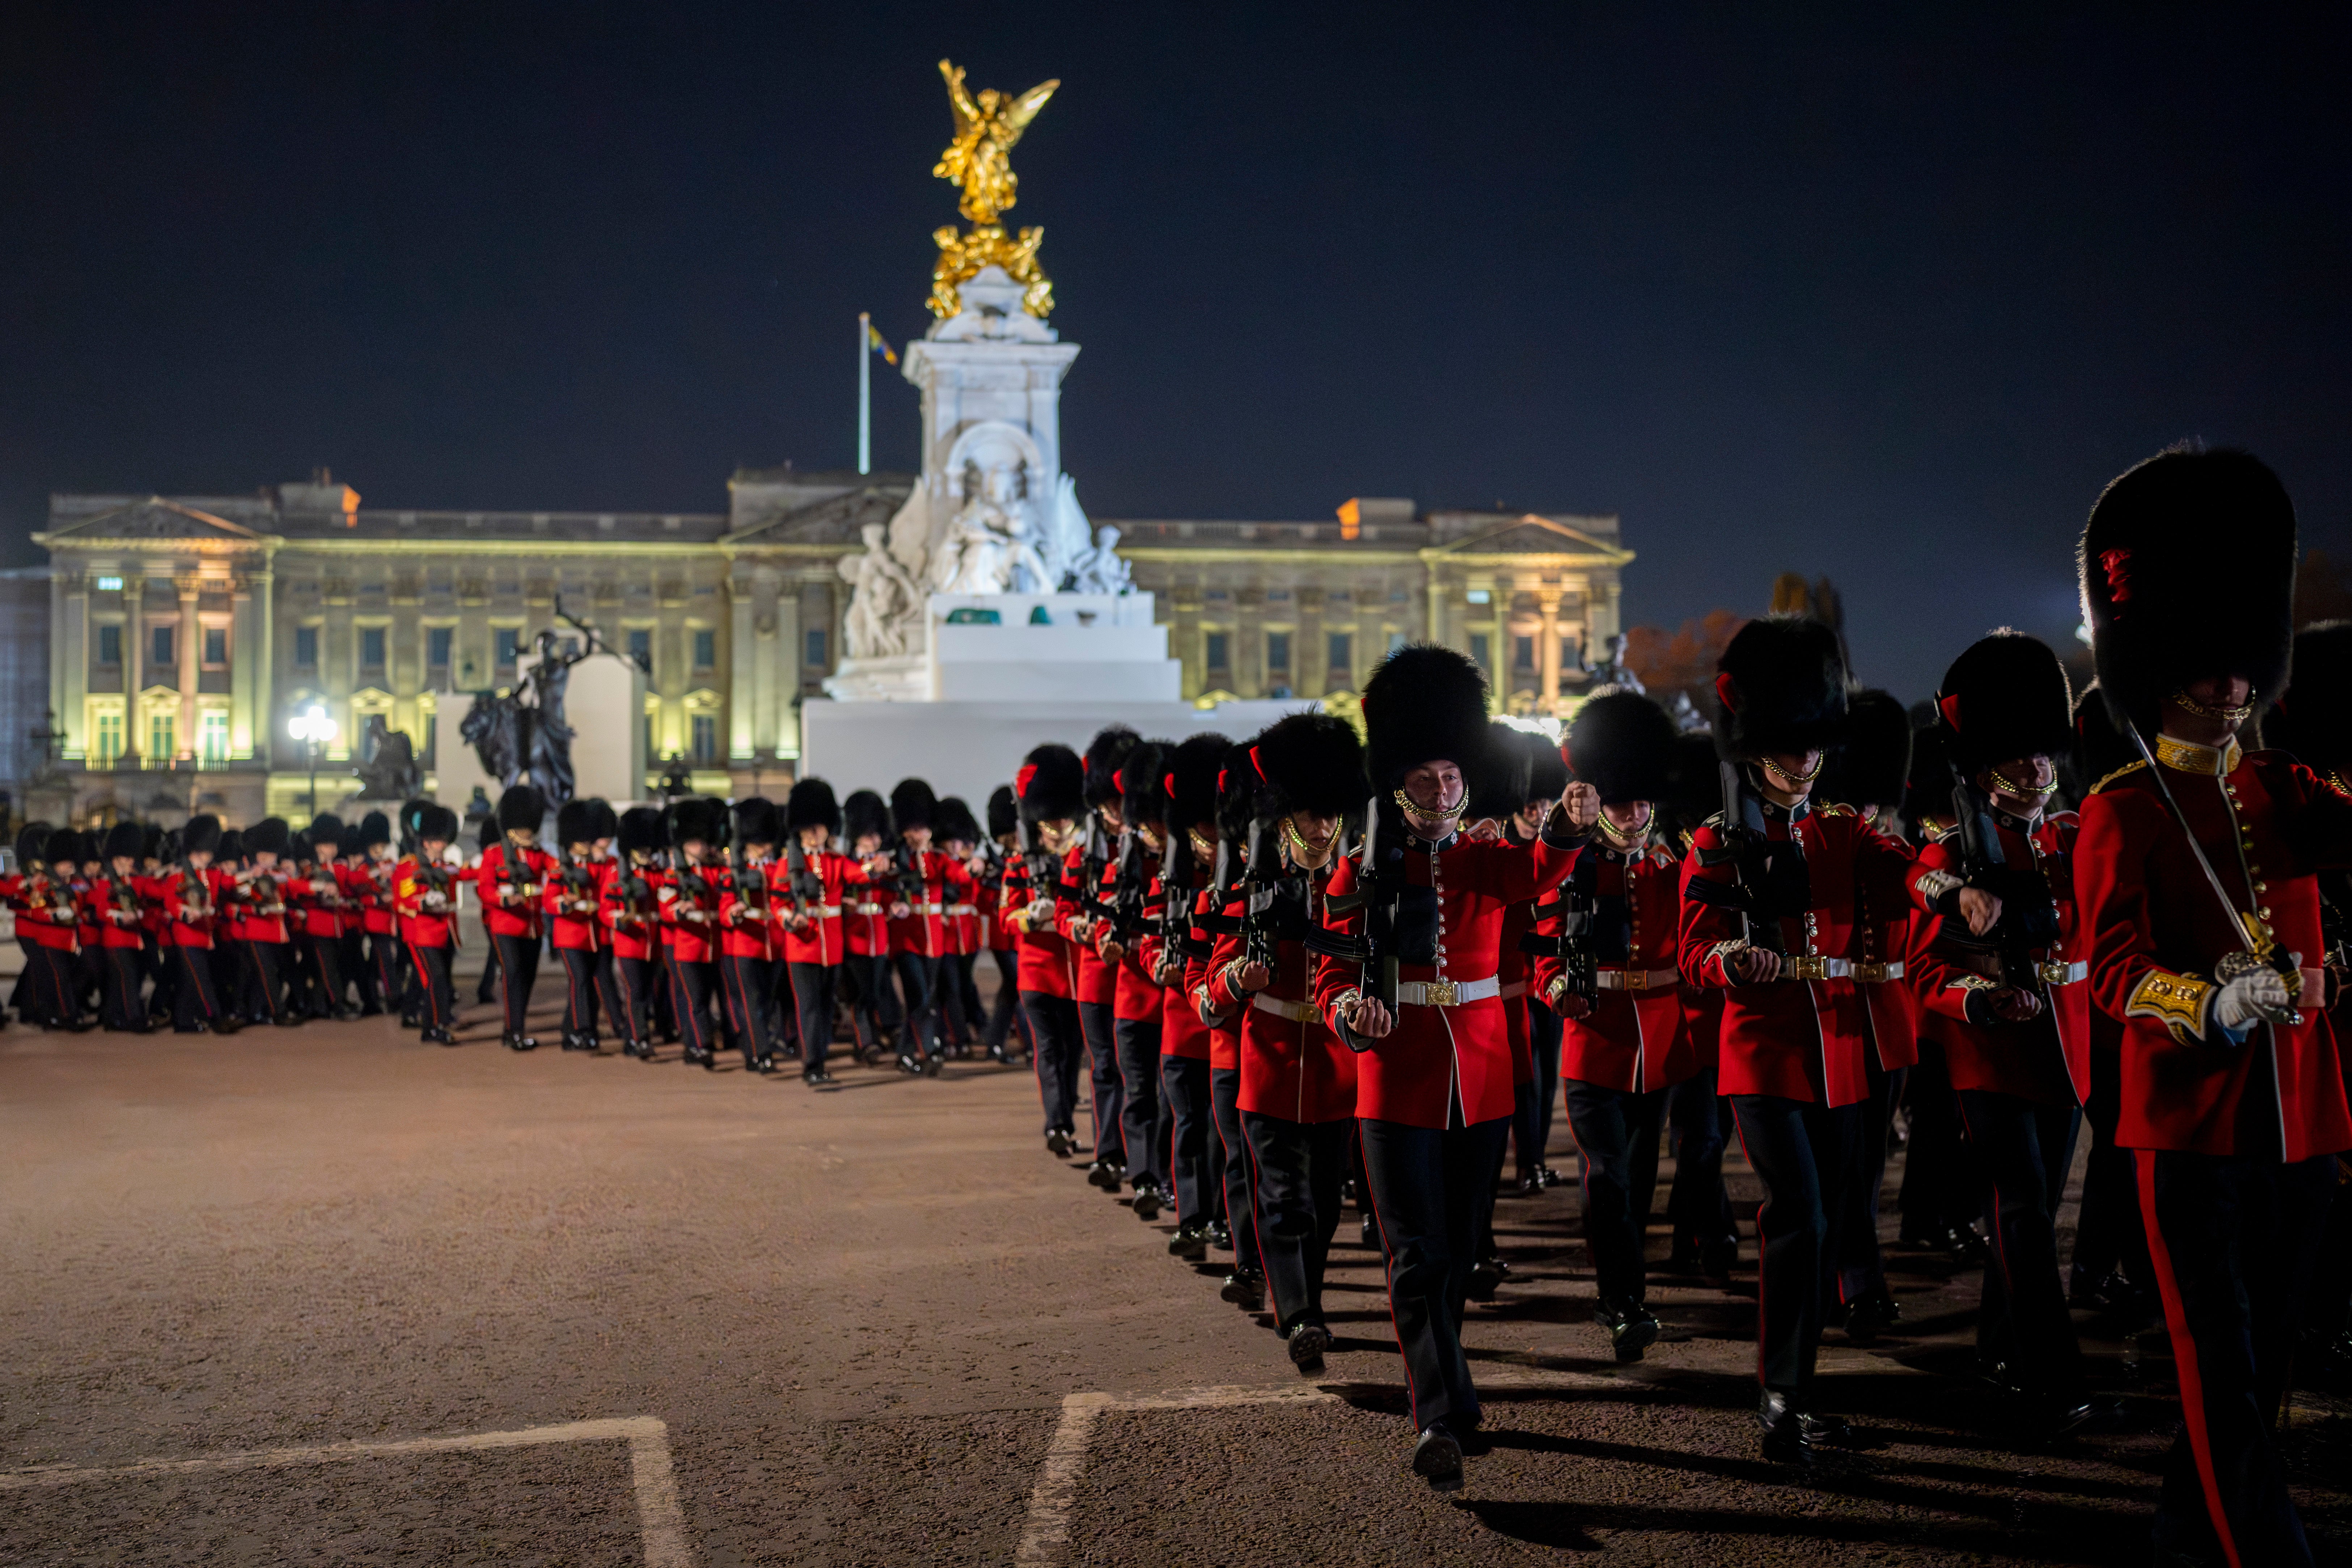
185 633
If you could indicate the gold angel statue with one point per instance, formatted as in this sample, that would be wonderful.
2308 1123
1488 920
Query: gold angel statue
979 160
987 127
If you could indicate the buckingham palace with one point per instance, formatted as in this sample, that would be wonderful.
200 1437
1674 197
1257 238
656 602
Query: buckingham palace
157 664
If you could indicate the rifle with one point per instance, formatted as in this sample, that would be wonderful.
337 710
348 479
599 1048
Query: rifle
1127 892
1043 866
1743 847
2029 914
1579 960
806 887
1176 891
1399 921
579 883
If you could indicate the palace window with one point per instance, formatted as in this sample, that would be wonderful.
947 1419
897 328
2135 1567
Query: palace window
437 641
706 649
306 647
506 646
1341 656
215 647
109 650
816 647
641 648
432 739
1523 653
106 743
372 648
1277 652
159 648
1213 653
162 735
1479 654
212 736
1396 641
706 737
1570 658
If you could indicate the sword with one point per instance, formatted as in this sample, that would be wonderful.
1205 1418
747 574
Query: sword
2238 918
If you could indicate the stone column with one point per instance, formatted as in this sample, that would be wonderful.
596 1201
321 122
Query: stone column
69 663
743 705
1547 654
192 664
245 643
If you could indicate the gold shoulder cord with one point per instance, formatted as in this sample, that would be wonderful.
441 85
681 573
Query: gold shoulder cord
2131 767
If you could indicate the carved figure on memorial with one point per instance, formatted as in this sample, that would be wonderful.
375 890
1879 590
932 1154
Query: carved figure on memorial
884 604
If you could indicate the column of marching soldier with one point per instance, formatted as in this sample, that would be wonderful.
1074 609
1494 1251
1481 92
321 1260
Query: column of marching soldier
1308 968
1305 968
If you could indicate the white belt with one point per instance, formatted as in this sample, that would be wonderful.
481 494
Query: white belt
928 909
963 909
865 909
2054 973
1637 979
1515 988
824 912
1447 993
1296 1012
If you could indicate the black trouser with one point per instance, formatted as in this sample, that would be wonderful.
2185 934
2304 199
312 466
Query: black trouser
436 997
325 956
962 993
629 999
1233 1173
1859 1270
783 1012
1138 1079
2109 1234
1531 1127
693 983
918 975
873 1020
1102 1075
487 991
1616 1133
579 990
1300 1167
122 1009
51 969
1799 1149
261 987
813 987
1425 1185
2233 1240
518 972
197 1005
361 972
747 985
1006 1012
1939 1189
89 977
2024 1151
161 971
390 980
1184 1085
1054 1025
1698 1205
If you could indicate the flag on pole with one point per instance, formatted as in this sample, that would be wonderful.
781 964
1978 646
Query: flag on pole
874 340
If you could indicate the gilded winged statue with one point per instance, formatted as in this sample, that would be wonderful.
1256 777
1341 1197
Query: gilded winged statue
979 160
987 127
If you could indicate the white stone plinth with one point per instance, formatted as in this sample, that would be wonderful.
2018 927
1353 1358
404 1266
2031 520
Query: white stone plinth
905 678
605 703
968 748
1089 647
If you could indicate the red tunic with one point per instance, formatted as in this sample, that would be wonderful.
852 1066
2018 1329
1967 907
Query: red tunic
2047 1060
631 918
689 911
1293 1066
421 926
38 916
375 910
1799 1039
1635 1038
190 898
1096 981
923 927
1437 1060
1047 962
1182 1032
121 912
2155 929
747 924
569 927
316 901
823 939
1224 1025
512 884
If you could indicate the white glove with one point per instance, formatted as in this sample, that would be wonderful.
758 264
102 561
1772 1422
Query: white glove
2257 993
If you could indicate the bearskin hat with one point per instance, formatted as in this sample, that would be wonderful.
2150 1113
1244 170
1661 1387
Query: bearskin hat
1143 782
1930 791
1308 761
375 829
33 844
232 847
576 823
1422 703
352 844
866 817
1779 689
150 846
325 828
202 835
421 819
487 834
756 821
2005 697
1050 784
1191 781
1499 786
2314 716
698 818
606 821
269 836
2098 748
641 827
125 839
1546 769
1003 816
811 804
2188 571
953 822
912 805
522 806
1872 766
1623 744
1104 752
64 847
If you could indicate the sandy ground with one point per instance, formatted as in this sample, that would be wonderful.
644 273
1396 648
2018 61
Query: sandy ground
859 1318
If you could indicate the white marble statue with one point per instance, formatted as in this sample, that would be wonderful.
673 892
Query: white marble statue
989 546
885 607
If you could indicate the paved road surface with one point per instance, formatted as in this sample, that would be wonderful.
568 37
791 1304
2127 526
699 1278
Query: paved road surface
848 1328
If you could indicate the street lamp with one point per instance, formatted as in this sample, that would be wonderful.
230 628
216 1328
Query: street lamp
314 728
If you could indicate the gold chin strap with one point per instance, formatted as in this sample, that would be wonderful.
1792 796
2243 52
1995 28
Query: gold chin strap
1769 766
1627 840
2230 715
1434 814
2021 791
1308 856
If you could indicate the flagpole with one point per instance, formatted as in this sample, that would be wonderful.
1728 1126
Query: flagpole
865 393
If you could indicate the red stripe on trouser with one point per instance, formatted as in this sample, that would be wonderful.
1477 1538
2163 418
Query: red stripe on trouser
1761 1244
211 1014
261 977
425 980
2184 1354
1388 1269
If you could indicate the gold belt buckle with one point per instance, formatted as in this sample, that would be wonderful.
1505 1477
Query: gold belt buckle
1439 992
1808 966
1635 979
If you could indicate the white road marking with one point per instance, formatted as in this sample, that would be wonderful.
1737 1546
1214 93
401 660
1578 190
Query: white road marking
1046 1536
661 1524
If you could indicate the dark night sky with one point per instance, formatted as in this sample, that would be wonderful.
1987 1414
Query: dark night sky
1885 295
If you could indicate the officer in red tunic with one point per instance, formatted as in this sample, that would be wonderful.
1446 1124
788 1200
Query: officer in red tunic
1434 1089
513 877
689 923
958 837
926 880
1088 864
377 922
628 898
748 905
1284 802
1188 815
2015 1003
816 882
48 926
573 897
1002 943
2233 1081
425 902
121 914
1606 965
1782 906
1127 887
1050 789
318 900
874 1014
190 893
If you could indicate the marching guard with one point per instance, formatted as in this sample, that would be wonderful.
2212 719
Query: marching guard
513 878
1050 789
817 883
425 902
629 905
1088 866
